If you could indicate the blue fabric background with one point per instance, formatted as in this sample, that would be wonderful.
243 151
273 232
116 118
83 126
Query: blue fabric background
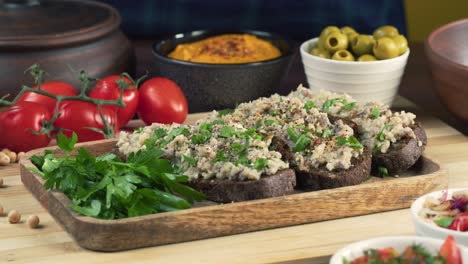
297 19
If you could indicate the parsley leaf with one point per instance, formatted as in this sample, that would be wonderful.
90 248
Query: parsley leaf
227 132
375 113
190 160
302 143
381 135
106 187
260 164
292 134
203 135
348 106
331 102
65 143
220 157
309 105
270 122
352 142
327 133
225 112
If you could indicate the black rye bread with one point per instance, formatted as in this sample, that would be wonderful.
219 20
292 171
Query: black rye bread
322 178
401 155
226 191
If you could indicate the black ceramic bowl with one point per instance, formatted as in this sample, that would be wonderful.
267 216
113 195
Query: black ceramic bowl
219 86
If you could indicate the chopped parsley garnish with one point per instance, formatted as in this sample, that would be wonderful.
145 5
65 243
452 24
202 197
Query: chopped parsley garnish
327 133
302 143
191 161
348 106
161 137
292 134
203 135
220 157
106 187
260 164
383 172
270 122
309 105
331 102
225 112
227 132
377 149
243 160
375 113
139 130
381 135
217 122
159 133
352 142
273 113
251 132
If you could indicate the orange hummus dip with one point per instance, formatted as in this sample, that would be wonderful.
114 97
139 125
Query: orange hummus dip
226 49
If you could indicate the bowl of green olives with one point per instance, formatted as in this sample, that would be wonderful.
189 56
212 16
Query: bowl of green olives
367 67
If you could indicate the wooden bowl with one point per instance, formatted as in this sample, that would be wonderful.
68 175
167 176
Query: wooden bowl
446 49
63 37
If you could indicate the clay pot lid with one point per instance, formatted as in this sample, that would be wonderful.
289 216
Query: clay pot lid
51 23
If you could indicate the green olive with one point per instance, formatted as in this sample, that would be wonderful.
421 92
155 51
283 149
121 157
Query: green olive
325 33
401 43
346 30
385 48
367 57
320 52
329 30
343 55
362 44
336 41
386 31
351 37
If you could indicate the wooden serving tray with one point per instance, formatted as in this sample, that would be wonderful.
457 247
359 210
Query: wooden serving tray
208 219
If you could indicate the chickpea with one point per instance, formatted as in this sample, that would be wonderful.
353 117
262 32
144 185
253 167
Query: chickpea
20 155
4 159
6 151
33 221
12 155
14 217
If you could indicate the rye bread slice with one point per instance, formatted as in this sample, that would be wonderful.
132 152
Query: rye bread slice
401 155
322 178
226 191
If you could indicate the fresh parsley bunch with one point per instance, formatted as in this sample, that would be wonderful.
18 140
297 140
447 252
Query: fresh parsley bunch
108 188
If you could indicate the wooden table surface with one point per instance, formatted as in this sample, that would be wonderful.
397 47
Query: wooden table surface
311 243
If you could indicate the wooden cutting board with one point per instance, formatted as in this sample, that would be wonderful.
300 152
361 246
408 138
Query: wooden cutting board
209 220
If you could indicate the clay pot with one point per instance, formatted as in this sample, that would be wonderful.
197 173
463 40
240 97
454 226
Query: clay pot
63 37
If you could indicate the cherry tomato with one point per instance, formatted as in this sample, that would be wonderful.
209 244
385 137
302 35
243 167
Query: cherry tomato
17 124
108 89
79 116
450 251
460 223
57 88
162 101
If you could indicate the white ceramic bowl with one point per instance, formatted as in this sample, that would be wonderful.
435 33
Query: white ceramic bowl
400 243
364 81
428 229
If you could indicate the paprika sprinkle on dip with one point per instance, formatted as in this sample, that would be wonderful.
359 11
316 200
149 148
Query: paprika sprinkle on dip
226 49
